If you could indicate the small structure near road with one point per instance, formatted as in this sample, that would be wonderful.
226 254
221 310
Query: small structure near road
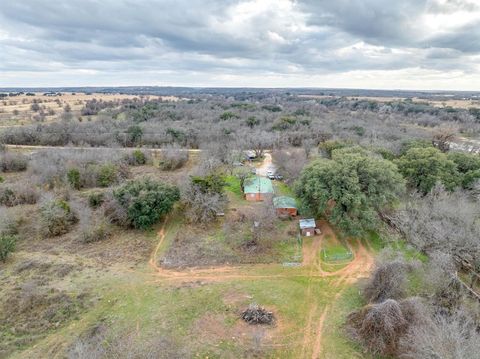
257 188
308 227
285 206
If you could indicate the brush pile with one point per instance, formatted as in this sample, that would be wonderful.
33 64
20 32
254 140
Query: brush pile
255 314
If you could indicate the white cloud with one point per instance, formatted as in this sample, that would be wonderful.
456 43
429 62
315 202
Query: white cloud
418 44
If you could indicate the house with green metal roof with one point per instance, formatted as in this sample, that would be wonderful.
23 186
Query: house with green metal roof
257 188
285 206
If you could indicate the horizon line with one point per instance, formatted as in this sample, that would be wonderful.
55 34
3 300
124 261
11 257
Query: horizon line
198 87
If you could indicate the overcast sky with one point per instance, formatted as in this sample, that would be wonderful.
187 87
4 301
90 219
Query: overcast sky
391 44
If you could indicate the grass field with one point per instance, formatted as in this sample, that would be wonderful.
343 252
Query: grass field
444 103
197 310
17 111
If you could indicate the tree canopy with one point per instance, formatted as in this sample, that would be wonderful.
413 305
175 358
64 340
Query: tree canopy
350 189
425 167
469 167
146 201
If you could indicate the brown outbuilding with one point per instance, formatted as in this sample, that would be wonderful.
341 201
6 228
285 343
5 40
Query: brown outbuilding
285 206
308 227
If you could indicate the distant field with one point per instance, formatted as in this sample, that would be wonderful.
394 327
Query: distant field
18 110
465 104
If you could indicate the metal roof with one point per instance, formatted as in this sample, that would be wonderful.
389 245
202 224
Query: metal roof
307 223
284 202
258 185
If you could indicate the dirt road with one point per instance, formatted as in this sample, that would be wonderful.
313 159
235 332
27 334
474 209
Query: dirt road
359 267
34 148
267 165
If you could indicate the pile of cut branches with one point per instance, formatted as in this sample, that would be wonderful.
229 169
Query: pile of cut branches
255 314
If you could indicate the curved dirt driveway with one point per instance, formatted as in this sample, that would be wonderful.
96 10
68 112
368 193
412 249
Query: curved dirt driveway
359 267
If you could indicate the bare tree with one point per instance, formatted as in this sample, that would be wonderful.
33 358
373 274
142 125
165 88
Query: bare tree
260 142
290 163
442 222
446 337
442 138
242 173
173 158
380 327
388 281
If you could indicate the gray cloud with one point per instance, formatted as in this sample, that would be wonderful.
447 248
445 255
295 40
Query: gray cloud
235 37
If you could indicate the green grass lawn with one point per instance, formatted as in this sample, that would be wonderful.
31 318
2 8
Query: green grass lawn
375 240
408 251
201 317
282 189
333 250
377 243
289 249
232 185
336 343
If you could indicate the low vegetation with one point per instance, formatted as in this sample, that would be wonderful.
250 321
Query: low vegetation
7 245
173 158
408 304
56 217
12 161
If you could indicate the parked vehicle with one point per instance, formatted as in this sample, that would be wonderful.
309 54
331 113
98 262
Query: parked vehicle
274 176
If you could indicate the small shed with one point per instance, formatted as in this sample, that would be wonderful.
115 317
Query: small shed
257 188
308 227
285 206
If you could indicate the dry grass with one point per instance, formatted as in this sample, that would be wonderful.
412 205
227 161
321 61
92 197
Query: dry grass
464 104
16 111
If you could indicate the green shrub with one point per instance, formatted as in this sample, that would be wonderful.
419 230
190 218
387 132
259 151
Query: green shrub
212 183
252 121
331 145
136 158
385 153
56 218
103 175
228 115
1 179
73 176
7 197
107 175
7 245
139 157
284 123
95 199
470 178
146 201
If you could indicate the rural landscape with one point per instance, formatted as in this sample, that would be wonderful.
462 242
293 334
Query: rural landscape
152 225
240 179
